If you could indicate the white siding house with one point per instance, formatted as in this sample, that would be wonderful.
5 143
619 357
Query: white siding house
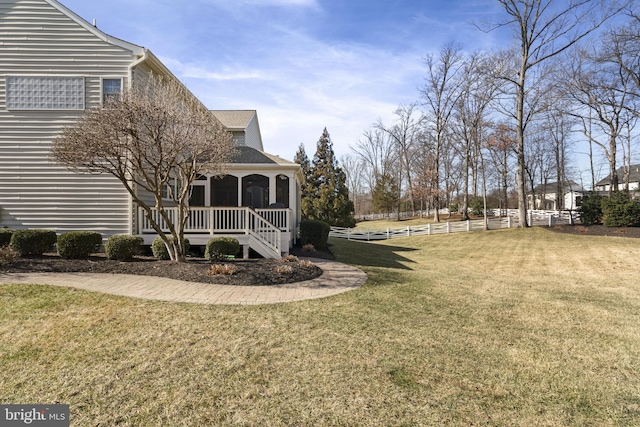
604 185
53 66
546 198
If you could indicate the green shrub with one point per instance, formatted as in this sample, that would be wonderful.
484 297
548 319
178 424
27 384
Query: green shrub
160 251
476 206
78 244
5 236
620 210
590 210
32 242
123 247
220 247
314 232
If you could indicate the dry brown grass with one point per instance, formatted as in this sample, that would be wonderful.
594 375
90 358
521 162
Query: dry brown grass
283 269
510 328
225 269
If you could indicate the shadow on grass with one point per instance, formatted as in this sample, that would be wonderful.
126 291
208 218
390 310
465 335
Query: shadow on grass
370 254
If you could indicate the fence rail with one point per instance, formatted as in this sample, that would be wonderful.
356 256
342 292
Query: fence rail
536 219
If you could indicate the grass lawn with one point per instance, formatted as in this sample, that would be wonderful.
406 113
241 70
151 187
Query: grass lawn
504 328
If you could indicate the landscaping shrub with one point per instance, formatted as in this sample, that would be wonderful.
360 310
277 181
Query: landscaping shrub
78 244
620 210
219 248
123 247
476 206
314 232
160 251
5 236
225 269
590 210
8 255
32 242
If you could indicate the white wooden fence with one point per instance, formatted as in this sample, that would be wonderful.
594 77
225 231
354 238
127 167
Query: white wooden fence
536 219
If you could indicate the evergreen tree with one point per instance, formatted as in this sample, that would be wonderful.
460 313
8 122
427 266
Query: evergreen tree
306 187
327 195
385 194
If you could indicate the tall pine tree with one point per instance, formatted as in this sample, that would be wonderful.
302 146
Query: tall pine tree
306 189
325 195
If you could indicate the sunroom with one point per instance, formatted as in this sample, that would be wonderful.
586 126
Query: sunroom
256 202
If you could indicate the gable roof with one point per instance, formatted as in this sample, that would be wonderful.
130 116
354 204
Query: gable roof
569 186
138 50
634 175
234 120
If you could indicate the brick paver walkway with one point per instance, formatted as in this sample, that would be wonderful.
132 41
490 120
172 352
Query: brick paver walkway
336 278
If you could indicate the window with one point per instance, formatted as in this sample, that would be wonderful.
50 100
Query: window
45 93
111 90
170 190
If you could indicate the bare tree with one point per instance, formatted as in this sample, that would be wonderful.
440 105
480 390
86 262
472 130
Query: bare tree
406 133
378 155
501 146
355 170
544 29
478 91
156 138
600 90
441 93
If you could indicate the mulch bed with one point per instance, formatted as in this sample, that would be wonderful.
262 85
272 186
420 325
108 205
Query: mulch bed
598 230
251 272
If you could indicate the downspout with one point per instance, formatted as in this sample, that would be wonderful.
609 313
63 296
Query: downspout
133 214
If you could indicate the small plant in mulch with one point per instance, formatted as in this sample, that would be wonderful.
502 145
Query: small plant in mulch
284 269
308 248
225 269
289 258
306 263
8 255
581 228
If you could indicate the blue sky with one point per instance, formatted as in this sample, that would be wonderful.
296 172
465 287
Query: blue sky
302 64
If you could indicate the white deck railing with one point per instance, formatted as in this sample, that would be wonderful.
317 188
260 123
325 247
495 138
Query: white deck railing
217 220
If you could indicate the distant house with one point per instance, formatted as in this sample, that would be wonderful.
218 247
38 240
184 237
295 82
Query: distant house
545 197
604 185
53 67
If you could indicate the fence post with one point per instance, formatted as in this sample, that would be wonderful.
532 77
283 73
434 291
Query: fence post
448 227
530 219
388 233
429 229
550 220
408 230
508 222
468 225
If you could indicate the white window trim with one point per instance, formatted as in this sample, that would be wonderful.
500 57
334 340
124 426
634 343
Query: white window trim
102 79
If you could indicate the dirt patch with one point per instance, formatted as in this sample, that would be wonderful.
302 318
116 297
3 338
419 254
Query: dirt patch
251 272
598 230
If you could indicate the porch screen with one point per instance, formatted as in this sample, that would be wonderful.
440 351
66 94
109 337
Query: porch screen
282 190
224 191
255 191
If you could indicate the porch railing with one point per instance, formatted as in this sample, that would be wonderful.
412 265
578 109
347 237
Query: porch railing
217 220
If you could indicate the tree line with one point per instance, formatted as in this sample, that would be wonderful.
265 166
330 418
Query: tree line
492 127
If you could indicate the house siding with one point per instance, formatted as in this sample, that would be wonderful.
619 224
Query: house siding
37 39
252 134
